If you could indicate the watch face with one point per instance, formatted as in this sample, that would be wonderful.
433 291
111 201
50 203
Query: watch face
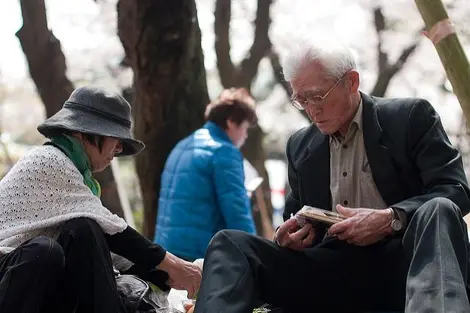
396 225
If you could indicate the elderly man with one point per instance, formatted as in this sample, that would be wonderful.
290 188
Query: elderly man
385 164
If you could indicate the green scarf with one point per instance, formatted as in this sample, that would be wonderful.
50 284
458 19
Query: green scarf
74 149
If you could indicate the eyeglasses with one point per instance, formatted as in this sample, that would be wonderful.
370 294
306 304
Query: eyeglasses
314 100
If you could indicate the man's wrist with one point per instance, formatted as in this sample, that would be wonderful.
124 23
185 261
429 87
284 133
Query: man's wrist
390 216
399 218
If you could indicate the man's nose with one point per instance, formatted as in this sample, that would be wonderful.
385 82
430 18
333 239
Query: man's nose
315 113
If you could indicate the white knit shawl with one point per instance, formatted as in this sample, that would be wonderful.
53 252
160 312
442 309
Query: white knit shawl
42 191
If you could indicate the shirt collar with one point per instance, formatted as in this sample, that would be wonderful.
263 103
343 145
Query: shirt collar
358 116
356 122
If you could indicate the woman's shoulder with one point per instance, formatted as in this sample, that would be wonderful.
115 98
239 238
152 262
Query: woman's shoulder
47 155
227 153
45 160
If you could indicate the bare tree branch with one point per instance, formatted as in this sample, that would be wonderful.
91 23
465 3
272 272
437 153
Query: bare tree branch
386 70
405 54
379 23
385 75
225 65
261 43
243 74
379 20
278 72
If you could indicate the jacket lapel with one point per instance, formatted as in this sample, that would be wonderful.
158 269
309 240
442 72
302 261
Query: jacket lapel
379 155
316 172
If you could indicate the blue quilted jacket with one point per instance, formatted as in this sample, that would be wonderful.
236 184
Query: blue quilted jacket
202 192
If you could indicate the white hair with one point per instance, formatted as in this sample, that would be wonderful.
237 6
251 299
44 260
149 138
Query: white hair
337 59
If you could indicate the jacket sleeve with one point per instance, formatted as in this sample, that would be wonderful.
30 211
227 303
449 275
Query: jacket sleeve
232 198
136 248
143 253
292 204
438 162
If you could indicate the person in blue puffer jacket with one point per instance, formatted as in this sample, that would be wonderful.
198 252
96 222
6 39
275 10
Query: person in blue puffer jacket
202 185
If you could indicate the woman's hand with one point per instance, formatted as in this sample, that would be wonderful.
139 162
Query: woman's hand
183 275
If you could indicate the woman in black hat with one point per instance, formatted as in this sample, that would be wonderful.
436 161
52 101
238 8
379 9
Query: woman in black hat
56 238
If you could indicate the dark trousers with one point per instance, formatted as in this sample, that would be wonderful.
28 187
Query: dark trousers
72 274
426 272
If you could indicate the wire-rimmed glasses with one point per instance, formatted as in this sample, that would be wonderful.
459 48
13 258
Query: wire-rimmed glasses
314 100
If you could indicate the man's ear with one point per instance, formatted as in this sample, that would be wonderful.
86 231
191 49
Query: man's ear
353 81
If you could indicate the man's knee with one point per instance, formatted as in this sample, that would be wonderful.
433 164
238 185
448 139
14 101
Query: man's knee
44 252
229 237
438 207
443 205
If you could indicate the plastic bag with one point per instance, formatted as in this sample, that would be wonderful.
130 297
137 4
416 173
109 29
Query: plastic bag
177 298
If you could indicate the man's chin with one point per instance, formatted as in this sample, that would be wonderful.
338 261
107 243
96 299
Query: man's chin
326 129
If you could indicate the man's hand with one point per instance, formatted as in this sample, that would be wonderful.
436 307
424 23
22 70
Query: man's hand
291 236
183 275
362 227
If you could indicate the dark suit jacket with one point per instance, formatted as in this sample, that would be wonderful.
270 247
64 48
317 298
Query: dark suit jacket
409 153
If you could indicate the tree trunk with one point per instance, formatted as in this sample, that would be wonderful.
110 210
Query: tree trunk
44 55
48 69
254 153
162 41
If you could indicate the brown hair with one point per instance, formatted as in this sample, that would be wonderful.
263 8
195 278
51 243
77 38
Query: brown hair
233 104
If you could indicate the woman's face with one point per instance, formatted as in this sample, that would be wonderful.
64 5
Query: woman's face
237 132
101 158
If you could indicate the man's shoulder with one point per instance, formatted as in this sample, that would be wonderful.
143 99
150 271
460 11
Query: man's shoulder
395 115
390 107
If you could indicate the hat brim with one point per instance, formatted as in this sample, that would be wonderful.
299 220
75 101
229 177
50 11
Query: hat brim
89 123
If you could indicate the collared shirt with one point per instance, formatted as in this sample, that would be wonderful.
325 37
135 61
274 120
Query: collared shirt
351 181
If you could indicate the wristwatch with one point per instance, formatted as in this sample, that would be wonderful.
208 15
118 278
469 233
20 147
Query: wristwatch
397 223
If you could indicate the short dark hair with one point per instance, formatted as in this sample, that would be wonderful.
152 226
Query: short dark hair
96 140
235 104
